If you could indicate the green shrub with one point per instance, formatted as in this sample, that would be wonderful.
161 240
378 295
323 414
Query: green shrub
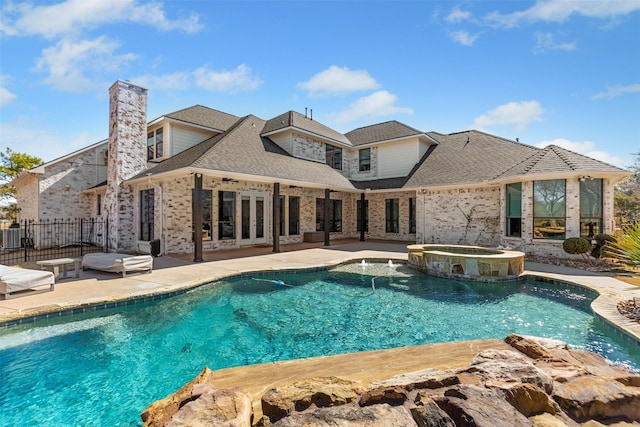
627 246
599 249
576 245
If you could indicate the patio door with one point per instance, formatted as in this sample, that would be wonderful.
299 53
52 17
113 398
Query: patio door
253 214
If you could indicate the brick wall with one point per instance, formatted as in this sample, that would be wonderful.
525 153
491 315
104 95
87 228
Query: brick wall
62 185
308 148
127 157
28 199
59 192
353 161
466 216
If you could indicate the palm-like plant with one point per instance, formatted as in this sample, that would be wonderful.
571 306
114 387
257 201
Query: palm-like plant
627 246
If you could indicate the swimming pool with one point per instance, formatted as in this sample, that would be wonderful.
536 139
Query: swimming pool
105 368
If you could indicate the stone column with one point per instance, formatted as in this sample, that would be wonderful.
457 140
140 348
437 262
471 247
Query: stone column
127 157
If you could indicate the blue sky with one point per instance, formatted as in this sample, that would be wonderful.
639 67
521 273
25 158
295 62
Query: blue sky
561 72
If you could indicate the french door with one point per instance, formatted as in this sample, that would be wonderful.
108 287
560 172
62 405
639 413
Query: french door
254 214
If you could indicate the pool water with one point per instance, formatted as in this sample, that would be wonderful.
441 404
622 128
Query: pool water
106 368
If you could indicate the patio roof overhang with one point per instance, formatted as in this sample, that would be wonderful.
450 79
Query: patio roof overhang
235 176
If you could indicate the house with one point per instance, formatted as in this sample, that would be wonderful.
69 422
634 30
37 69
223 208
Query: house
199 180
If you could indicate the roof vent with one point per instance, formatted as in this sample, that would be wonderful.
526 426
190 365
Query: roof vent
310 113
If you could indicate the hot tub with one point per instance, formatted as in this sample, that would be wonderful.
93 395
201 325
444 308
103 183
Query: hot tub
468 262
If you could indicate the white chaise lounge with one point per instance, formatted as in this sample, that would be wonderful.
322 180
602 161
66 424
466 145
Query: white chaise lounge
23 281
118 263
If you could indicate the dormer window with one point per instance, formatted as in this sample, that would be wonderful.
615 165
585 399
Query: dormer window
155 141
334 156
364 159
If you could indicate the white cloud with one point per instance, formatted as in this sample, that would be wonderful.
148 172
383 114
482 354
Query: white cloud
463 37
75 63
236 80
72 16
617 90
545 41
336 81
240 79
587 148
561 10
36 140
68 61
6 97
519 114
173 81
381 103
458 15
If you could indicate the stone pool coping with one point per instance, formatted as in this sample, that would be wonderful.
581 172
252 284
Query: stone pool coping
171 275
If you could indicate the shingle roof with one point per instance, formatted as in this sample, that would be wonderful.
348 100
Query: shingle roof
554 159
297 120
204 116
381 132
242 150
469 157
466 158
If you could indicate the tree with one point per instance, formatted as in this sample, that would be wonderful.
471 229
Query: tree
626 197
11 164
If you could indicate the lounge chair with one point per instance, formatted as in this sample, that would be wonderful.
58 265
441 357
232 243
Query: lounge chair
23 281
118 263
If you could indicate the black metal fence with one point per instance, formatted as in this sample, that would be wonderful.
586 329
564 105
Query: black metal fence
59 238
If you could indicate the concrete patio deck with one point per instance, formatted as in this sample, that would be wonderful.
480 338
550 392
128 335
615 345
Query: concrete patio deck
177 272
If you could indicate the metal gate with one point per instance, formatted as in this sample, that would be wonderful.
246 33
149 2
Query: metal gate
49 239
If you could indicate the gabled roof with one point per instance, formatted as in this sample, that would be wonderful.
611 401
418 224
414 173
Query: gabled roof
470 157
381 132
557 160
242 150
204 116
292 119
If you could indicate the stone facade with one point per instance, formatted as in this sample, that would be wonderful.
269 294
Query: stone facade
308 148
28 199
173 207
353 162
547 247
315 150
61 187
127 157
59 192
462 216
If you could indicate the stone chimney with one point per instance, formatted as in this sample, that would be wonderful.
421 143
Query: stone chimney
127 155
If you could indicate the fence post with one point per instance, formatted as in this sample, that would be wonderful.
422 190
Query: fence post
81 238
106 238
25 241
